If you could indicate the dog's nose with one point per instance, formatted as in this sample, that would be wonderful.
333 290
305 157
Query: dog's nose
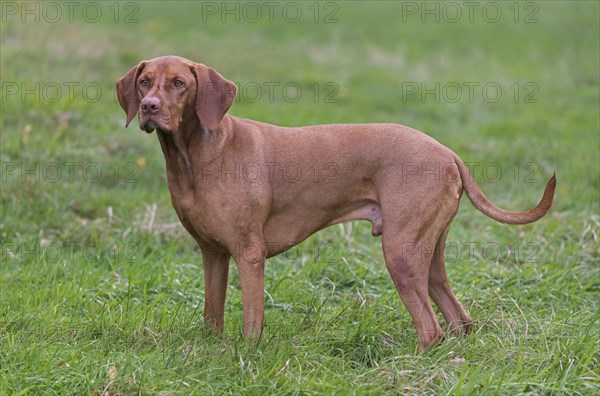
150 105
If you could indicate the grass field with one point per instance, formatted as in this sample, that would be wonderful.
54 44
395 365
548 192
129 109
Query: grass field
102 289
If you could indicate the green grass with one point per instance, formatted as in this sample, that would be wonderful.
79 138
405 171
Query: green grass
102 290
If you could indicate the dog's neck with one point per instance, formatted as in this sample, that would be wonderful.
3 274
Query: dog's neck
187 149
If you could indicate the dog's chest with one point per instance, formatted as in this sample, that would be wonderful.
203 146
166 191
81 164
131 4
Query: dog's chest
199 216
188 207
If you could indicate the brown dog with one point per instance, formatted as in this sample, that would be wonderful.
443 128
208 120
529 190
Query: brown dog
250 190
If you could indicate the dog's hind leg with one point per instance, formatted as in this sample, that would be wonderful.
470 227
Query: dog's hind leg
441 293
407 259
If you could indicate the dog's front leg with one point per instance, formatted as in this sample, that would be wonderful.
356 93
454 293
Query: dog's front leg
250 259
216 271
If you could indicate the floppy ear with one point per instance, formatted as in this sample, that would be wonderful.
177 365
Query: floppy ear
214 96
127 93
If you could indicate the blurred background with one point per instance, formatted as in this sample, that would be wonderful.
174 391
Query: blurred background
518 78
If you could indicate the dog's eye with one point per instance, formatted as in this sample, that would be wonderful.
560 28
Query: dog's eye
178 83
144 83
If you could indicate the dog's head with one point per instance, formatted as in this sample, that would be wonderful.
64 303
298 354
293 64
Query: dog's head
167 90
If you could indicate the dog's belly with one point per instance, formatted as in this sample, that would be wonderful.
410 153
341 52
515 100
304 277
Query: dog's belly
370 211
285 230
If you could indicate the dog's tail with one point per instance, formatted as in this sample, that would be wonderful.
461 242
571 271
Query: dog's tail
484 205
